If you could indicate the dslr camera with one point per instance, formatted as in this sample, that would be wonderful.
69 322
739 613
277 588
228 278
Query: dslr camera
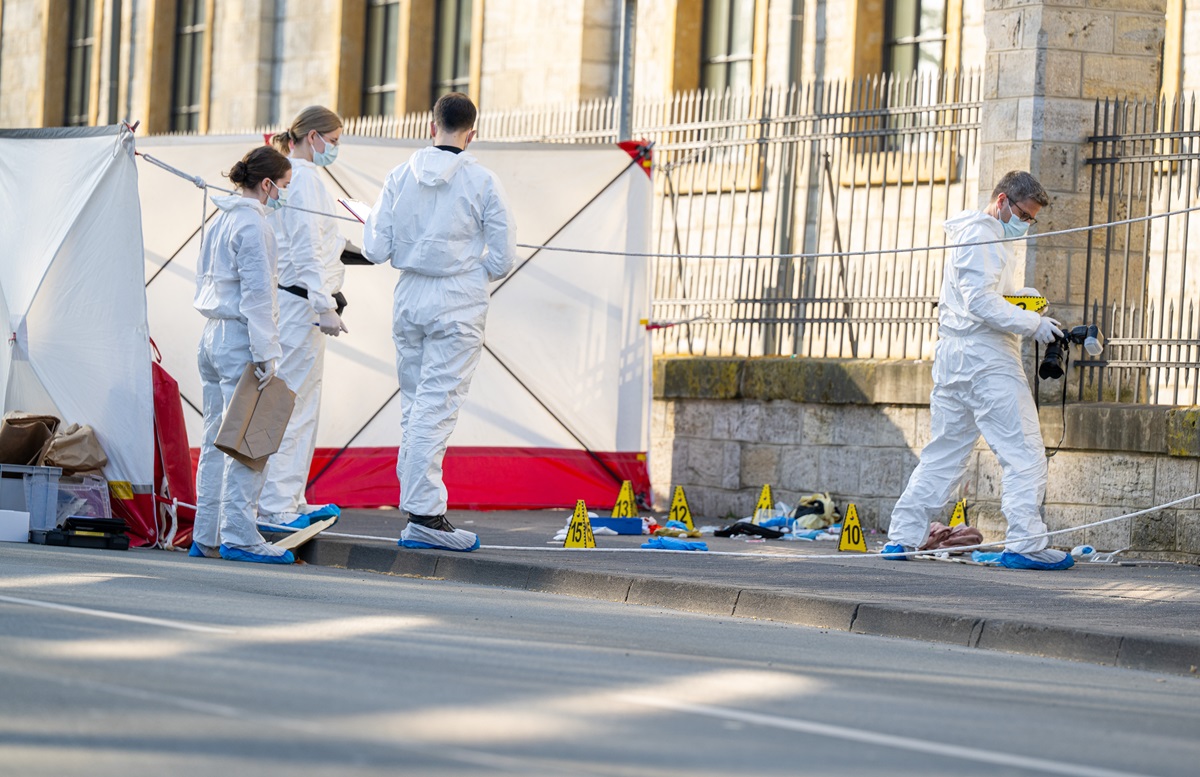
1054 363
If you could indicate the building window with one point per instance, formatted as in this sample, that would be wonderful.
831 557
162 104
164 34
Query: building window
189 64
379 68
452 48
914 40
727 58
80 42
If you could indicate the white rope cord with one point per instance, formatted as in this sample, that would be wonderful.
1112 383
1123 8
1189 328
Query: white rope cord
813 557
198 181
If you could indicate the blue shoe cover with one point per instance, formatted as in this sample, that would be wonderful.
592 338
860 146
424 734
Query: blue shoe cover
197 551
238 554
891 549
419 544
986 557
1025 561
321 513
671 543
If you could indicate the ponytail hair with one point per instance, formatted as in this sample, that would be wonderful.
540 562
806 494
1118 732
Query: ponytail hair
258 165
282 141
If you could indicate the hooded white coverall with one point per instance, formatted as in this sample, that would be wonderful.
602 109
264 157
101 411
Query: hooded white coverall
442 220
979 386
235 291
310 257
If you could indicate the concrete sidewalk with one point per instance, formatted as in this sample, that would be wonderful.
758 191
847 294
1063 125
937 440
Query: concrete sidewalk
1139 616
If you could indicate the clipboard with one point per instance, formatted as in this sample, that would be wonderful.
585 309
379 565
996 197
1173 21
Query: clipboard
358 209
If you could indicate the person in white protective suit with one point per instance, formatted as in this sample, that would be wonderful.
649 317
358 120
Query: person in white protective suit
979 385
442 220
310 283
235 291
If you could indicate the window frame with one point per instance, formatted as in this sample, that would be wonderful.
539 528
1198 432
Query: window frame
728 59
380 90
78 107
891 42
464 22
189 116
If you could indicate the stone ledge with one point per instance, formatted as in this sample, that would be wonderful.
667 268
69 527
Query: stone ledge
1156 429
821 381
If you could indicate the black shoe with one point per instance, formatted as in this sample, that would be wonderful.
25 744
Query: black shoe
435 522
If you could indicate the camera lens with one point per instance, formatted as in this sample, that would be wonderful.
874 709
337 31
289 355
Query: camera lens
1051 367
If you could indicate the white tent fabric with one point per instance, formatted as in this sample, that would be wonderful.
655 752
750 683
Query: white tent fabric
565 376
72 290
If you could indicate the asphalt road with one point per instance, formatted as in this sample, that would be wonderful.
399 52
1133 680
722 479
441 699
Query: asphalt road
148 663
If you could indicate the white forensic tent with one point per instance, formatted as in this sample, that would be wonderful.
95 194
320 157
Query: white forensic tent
559 408
73 297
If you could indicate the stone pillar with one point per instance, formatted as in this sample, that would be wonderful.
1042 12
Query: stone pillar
1047 63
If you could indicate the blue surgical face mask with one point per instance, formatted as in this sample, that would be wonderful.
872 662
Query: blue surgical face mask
326 157
1014 227
276 202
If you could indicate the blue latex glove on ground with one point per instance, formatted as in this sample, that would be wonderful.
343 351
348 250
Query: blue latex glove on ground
670 543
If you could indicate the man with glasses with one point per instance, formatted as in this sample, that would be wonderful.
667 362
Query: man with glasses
979 384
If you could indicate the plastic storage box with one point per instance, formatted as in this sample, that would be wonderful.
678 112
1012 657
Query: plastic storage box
33 490
84 495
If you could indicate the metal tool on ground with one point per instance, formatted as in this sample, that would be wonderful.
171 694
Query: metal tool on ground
852 533
579 532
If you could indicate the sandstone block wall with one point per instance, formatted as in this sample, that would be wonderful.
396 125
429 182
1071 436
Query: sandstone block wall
722 428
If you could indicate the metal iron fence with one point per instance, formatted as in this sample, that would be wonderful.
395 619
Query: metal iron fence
1138 285
819 168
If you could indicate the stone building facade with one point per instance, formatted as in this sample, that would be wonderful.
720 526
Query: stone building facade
218 65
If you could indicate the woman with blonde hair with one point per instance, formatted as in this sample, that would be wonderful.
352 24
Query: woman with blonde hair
310 303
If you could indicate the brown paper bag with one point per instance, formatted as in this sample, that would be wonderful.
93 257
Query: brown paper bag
255 420
76 449
25 437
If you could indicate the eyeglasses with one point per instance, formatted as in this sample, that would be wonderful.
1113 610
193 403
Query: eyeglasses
1021 214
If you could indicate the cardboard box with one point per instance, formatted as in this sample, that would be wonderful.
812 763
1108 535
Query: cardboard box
255 421
14 526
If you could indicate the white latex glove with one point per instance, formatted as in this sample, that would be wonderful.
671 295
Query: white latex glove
331 323
1048 331
1028 291
264 371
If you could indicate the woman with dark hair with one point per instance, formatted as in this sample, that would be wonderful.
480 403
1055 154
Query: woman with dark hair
235 291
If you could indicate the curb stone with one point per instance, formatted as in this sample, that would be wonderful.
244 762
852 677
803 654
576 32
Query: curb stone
1140 652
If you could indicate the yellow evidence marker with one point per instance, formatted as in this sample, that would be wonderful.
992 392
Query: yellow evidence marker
1036 304
626 506
680 510
766 505
579 533
959 516
852 533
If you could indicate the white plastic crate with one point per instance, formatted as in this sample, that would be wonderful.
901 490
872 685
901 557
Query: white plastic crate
33 490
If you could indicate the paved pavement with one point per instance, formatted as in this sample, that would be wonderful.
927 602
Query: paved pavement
1138 615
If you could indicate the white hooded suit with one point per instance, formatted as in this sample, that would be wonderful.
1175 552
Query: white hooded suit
979 386
442 220
235 291
310 258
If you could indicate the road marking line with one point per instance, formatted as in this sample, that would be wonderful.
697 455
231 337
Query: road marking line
882 740
118 616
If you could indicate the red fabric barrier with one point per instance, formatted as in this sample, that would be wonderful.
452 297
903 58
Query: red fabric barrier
482 478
